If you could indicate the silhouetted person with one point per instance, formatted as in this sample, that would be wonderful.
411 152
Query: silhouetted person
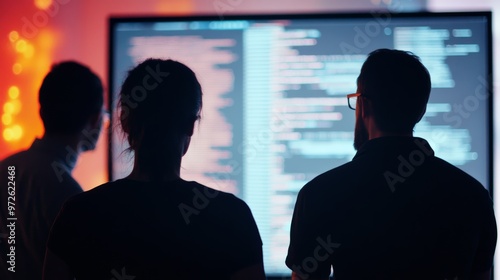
152 224
71 104
395 211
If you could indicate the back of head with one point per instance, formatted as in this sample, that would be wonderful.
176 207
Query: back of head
160 101
69 95
398 85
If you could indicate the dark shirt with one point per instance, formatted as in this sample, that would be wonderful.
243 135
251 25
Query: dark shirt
42 181
394 212
174 230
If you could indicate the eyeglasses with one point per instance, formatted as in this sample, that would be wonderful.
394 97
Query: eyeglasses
352 99
105 117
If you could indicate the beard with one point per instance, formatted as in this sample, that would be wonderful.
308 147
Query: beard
360 133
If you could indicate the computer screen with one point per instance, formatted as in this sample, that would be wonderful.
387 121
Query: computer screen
275 111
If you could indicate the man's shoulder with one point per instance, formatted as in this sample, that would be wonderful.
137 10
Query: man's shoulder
32 168
450 176
365 172
332 180
450 169
15 158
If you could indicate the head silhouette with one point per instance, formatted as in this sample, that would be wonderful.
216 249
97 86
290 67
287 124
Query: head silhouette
69 96
160 102
397 86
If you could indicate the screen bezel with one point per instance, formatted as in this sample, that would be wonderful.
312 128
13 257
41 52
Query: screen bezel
115 20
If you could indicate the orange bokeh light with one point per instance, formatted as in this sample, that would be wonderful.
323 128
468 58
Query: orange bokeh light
21 45
16 106
178 7
17 132
8 134
43 4
6 119
17 68
29 51
13 36
13 133
8 108
13 92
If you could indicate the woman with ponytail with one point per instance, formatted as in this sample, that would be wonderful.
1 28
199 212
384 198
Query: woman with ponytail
151 224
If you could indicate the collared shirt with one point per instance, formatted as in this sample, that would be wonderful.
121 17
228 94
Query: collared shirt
42 184
395 211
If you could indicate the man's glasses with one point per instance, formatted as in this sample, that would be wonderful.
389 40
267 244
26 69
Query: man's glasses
105 117
352 99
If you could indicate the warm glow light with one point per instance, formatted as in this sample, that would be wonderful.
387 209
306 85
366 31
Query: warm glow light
21 46
13 92
30 51
178 7
13 133
17 68
8 108
17 132
6 119
13 36
43 4
16 106
42 64
46 39
8 134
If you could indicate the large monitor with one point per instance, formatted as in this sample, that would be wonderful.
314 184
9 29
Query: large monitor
275 112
